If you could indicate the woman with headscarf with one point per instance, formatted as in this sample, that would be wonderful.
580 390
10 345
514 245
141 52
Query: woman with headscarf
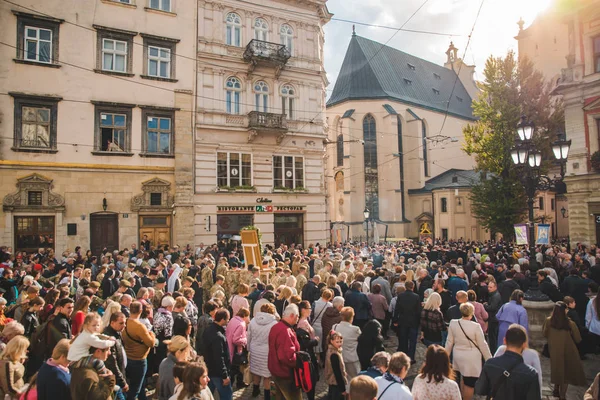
107 284
369 342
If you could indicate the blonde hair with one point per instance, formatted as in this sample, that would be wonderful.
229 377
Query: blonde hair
410 275
327 294
467 309
180 302
111 308
15 349
243 289
177 343
91 317
12 329
434 301
285 294
268 308
61 349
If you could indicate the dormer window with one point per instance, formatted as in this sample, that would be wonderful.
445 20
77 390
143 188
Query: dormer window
410 66
436 76
435 91
460 99
407 81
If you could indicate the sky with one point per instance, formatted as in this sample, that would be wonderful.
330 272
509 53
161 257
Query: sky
494 31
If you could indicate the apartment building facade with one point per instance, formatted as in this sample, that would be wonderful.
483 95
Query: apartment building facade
260 123
96 105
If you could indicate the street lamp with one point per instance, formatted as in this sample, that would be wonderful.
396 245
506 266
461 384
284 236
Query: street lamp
366 214
528 161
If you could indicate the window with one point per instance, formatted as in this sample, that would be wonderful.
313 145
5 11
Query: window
552 205
436 91
34 198
159 57
37 39
113 128
158 134
370 164
407 81
163 5
234 170
437 76
444 204
286 34
35 122
115 51
155 199
596 41
159 62
541 203
287 101
31 233
288 172
261 96
444 233
410 66
261 29
233 30
114 55
38 44
340 150
233 87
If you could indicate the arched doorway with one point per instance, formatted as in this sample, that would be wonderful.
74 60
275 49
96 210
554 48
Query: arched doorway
104 232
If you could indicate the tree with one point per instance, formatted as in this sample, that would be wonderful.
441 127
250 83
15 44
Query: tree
510 89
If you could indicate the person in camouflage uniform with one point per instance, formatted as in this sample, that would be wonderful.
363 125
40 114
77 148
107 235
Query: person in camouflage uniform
232 280
159 287
326 271
96 301
207 280
301 278
254 278
218 285
223 270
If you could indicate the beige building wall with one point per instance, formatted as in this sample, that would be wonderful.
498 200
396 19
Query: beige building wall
441 156
220 131
75 81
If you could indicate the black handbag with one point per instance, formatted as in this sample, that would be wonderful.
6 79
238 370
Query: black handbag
240 358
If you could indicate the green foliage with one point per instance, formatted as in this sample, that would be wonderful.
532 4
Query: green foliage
510 89
232 188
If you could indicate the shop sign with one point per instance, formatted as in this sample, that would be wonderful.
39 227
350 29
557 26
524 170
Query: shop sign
289 208
259 208
235 208
264 209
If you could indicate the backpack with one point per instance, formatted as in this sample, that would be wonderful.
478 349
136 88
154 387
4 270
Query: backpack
39 339
303 371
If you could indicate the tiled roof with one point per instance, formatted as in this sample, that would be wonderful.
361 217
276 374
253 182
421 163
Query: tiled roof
373 71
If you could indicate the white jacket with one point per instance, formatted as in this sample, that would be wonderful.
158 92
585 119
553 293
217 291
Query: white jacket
258 343
350 333
81 346
396 390
591 318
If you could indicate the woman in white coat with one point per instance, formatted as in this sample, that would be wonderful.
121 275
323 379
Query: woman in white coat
258 346
466 338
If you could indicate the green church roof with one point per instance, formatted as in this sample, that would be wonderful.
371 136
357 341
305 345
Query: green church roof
373 71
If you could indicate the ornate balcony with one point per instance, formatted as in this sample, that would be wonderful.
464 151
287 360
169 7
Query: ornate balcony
269 122
266 53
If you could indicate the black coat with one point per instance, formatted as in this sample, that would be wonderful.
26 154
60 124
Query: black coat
506 288
522 384
216 356
310 292
426 283
115 361
408 310
548 288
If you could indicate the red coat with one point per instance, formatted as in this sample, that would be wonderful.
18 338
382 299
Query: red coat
283 346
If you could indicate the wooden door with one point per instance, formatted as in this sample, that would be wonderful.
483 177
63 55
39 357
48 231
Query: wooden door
104 232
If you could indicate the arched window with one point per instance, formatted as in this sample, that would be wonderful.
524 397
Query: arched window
233 24
340 150
261 96
261 29
286 34
371 174
233 87
287 101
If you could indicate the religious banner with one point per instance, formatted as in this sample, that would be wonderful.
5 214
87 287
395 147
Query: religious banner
543 234
251 247
521 233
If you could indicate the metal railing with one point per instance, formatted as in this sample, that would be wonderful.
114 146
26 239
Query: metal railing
264 120
261 50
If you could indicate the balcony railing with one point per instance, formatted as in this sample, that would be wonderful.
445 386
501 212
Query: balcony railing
259 50
267 121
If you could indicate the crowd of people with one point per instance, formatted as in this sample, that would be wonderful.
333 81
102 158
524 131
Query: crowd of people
183 324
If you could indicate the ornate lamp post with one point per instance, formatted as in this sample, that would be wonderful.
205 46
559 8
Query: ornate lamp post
528 161
366 214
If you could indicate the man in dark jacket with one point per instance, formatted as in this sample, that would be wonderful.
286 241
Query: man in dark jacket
438 287
216 356
507 286
310 291
507 377
454 311
407 316
492 306
60 326
547 287
115 361
454 284
425 282
359 302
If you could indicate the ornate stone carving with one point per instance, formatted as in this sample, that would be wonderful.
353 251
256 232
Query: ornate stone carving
18 201
141 202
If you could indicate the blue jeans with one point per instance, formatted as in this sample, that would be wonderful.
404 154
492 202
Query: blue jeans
407 340
136 372
225 392
120 395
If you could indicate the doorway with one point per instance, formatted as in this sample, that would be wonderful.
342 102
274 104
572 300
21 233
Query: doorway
289 228
104 232
157 229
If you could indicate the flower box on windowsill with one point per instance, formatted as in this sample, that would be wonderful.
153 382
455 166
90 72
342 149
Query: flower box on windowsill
236 189
112 153
282 189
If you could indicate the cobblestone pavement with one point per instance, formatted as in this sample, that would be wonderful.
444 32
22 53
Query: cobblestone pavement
591 367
